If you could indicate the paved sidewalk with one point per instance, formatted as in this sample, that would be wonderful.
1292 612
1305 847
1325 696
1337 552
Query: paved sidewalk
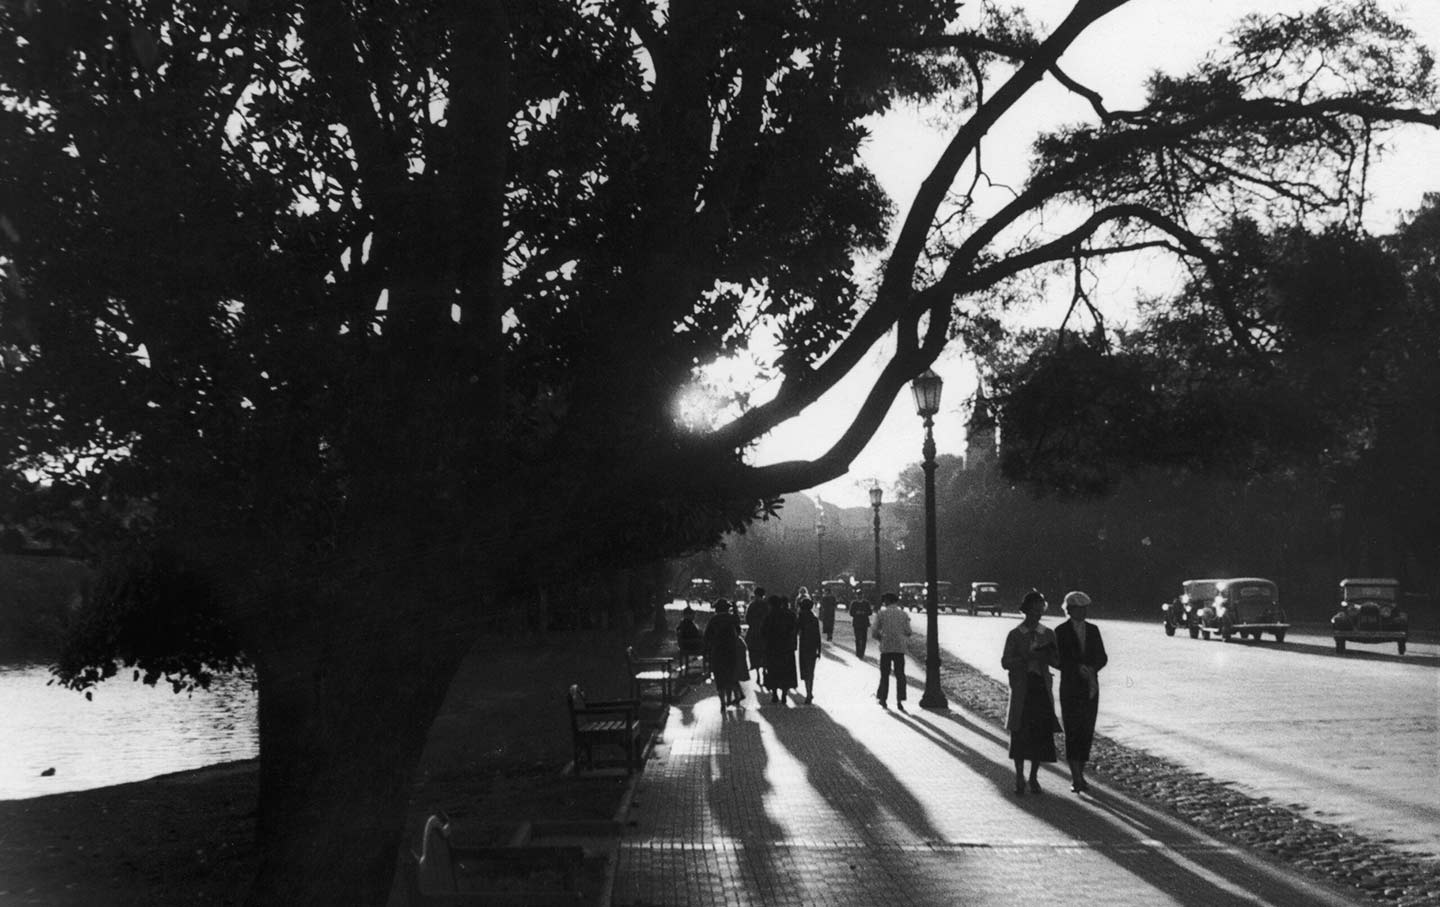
847 803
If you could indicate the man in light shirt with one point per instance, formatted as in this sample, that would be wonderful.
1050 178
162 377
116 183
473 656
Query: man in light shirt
892 629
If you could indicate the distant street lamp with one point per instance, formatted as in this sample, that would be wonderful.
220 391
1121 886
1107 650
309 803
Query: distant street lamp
820 557
875 496
926 389
1337 525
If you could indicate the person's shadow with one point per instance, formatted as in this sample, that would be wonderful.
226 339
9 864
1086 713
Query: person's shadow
857 785
736 790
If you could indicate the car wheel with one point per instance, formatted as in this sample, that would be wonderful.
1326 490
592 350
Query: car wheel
1401 646
1279 637
1205 634
1339 647
1169 629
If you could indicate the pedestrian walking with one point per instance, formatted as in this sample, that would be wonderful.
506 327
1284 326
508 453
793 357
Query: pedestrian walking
688 638
828 604
755 617
725 651
781 634
1081 653
809 642
1030 653
860 621
892 629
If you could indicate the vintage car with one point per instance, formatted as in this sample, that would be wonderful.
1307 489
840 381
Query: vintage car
1370 613
1181 611
1244 606
945 596
985 597
700 590
912 596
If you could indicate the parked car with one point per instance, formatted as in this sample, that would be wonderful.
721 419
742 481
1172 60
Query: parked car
945 596
1181 611
985 597
700 591
912 596
1370 613
1245 606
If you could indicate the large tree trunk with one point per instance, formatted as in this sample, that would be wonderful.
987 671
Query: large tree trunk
345 707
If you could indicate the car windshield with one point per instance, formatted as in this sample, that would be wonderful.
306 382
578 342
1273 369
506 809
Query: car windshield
1370 593
1252 592
1200 591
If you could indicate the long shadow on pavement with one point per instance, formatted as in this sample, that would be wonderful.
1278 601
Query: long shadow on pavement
856 784
737 788
1191 869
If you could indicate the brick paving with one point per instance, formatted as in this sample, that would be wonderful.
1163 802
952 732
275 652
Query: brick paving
847 803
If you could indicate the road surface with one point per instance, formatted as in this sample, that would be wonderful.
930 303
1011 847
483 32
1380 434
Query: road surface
1346 739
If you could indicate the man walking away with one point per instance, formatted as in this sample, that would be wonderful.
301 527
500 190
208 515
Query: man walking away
892 629
828 604
860 620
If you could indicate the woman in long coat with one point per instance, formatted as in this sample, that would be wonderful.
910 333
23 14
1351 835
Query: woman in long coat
755 617
780 636
1082 654
726 653
1030 652
808 634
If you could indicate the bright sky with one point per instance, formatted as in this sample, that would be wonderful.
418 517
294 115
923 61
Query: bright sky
1114 57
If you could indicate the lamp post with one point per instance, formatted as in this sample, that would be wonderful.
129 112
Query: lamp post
926 389
875 497
819 557
1337 525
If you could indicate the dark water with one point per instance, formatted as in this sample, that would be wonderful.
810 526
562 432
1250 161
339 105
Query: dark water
129 731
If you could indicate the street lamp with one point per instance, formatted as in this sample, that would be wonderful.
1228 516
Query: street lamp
820 557
875 496
926 389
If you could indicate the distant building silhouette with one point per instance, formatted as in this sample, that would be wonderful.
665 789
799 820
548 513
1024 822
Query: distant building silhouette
982 434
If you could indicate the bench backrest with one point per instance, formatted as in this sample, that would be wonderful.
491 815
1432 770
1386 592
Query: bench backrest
435 870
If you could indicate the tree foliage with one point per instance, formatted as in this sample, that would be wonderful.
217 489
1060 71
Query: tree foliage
1333 381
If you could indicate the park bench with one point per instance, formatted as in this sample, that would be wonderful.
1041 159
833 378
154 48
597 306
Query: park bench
511 874
656 673
692 659
603 723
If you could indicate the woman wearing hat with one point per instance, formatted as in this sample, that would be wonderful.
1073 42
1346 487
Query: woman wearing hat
1082 655
1028 657
725 651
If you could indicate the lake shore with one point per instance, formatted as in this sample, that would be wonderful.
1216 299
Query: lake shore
183 838
497 748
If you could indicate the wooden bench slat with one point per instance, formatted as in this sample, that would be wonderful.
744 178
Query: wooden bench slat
620 727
